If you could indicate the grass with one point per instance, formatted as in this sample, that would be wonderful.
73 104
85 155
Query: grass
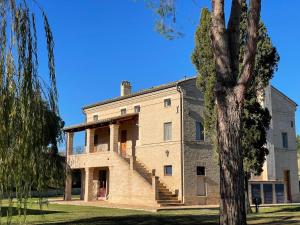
85 215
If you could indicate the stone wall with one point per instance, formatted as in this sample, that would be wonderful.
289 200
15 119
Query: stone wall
126 186
283 119
197 153
150 147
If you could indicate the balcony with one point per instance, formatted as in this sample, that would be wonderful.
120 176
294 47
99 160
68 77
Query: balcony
103 140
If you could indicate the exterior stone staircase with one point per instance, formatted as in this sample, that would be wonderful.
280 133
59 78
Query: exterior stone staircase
165 197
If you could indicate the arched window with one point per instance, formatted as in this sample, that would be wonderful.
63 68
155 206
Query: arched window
199 131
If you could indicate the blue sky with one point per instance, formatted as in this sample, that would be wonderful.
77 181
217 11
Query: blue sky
100 43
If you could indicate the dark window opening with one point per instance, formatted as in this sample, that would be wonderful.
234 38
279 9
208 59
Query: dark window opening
255 191
284 140
279 189
268 193
168 170
199 131
167 102
123 111
137 109
200 171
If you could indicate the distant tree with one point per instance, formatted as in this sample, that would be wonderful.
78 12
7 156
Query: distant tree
255 118
30 124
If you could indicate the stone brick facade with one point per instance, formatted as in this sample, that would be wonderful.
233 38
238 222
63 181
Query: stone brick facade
130 158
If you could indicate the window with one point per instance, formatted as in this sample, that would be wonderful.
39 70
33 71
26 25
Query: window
268 193
123 111
167 102
95 118
255 191
284 140
167 131
137 109
200 171
279 189
292 123
168 170
199 132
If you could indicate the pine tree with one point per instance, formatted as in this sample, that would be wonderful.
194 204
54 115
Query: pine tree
255 118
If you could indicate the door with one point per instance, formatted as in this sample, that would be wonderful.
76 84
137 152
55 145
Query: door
102 183
123 142
288 185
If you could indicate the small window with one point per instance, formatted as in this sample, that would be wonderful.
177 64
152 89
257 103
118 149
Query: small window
123 111
200 171
137 109
168 170
199 131
95 117
292 123
284 140
268 193
167 131
279 190
96 139
167 102
256 192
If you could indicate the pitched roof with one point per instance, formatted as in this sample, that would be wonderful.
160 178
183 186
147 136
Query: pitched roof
158 88
282 94
141 92
98 123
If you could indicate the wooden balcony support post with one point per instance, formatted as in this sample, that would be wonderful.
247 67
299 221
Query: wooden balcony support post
114 137
70 137
90 140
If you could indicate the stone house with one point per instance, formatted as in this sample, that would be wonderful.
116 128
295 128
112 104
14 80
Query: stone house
149 148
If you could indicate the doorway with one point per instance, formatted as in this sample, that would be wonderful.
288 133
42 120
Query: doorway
123 142
288 185
102 184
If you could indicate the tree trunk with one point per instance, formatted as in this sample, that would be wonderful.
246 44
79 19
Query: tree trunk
232 205
248 205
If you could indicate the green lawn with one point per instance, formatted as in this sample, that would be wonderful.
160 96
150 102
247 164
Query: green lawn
81 215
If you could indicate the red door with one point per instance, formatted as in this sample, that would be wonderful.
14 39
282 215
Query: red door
123 142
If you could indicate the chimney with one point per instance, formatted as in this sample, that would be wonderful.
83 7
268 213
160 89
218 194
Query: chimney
125 88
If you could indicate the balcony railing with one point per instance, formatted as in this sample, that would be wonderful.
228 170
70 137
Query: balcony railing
79 150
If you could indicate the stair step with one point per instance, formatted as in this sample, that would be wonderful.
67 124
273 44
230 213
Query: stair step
163 190
168 201
171 204
167 198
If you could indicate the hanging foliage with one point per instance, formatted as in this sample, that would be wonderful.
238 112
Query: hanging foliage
30 124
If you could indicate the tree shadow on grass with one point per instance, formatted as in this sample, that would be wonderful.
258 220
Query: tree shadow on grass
147 220
29 212
281 220
287 209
